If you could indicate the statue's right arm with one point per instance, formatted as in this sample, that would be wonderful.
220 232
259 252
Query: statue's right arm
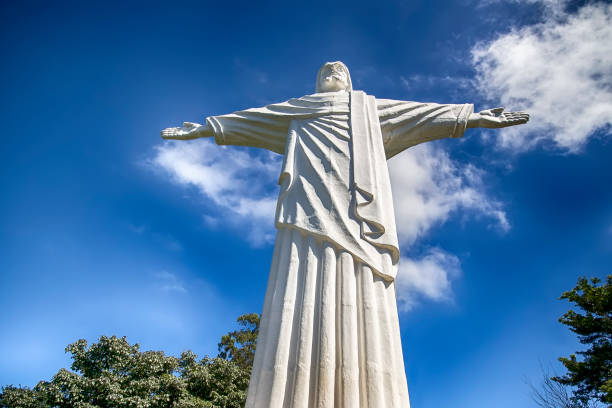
266 127
188 131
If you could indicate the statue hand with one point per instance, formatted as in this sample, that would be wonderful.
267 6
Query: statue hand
189 131
497 118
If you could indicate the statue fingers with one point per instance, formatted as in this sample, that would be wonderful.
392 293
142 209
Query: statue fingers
170 133
522 116
515 115
512 120
497 110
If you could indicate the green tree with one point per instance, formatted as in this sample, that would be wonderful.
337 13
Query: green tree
239 346
21 397
219 382
114 373
591 375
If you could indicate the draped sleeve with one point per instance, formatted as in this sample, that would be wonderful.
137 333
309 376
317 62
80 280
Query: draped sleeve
405 124
265 127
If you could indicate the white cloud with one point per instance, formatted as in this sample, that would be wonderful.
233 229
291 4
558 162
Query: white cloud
550 8
428 186
242 186
560 71
455 86
165 240
428 277
169 282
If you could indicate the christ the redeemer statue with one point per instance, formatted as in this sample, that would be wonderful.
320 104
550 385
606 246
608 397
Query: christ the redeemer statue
329 334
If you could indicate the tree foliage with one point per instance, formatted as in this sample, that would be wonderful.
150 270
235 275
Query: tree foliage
239 346
590 375
114 373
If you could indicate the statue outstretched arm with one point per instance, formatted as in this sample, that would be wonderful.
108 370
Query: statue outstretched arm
496 118
188 131
266 127
405 124
245 128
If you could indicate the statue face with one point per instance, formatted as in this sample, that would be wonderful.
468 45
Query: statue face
333 78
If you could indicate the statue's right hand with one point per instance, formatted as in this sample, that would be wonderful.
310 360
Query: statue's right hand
189 131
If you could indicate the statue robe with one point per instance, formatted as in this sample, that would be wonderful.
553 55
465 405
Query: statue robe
329 334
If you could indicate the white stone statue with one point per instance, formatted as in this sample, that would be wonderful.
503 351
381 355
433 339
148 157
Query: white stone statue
329 333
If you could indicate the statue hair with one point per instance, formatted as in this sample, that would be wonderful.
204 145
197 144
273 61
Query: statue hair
337 63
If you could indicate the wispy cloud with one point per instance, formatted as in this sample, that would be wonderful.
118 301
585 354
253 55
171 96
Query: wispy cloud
164 240
559 70
428 186
169 282
428 277
225 176
550 8
455 85
250 72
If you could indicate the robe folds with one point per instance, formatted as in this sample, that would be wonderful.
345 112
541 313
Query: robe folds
329 334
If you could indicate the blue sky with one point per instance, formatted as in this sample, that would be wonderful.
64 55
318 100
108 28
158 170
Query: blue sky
107 230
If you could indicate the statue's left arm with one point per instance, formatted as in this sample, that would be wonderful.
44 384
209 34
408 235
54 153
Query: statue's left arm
405 124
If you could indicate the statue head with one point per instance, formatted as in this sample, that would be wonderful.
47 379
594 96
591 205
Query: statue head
332 77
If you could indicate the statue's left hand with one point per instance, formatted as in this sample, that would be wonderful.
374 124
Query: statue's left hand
497 118
189 131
